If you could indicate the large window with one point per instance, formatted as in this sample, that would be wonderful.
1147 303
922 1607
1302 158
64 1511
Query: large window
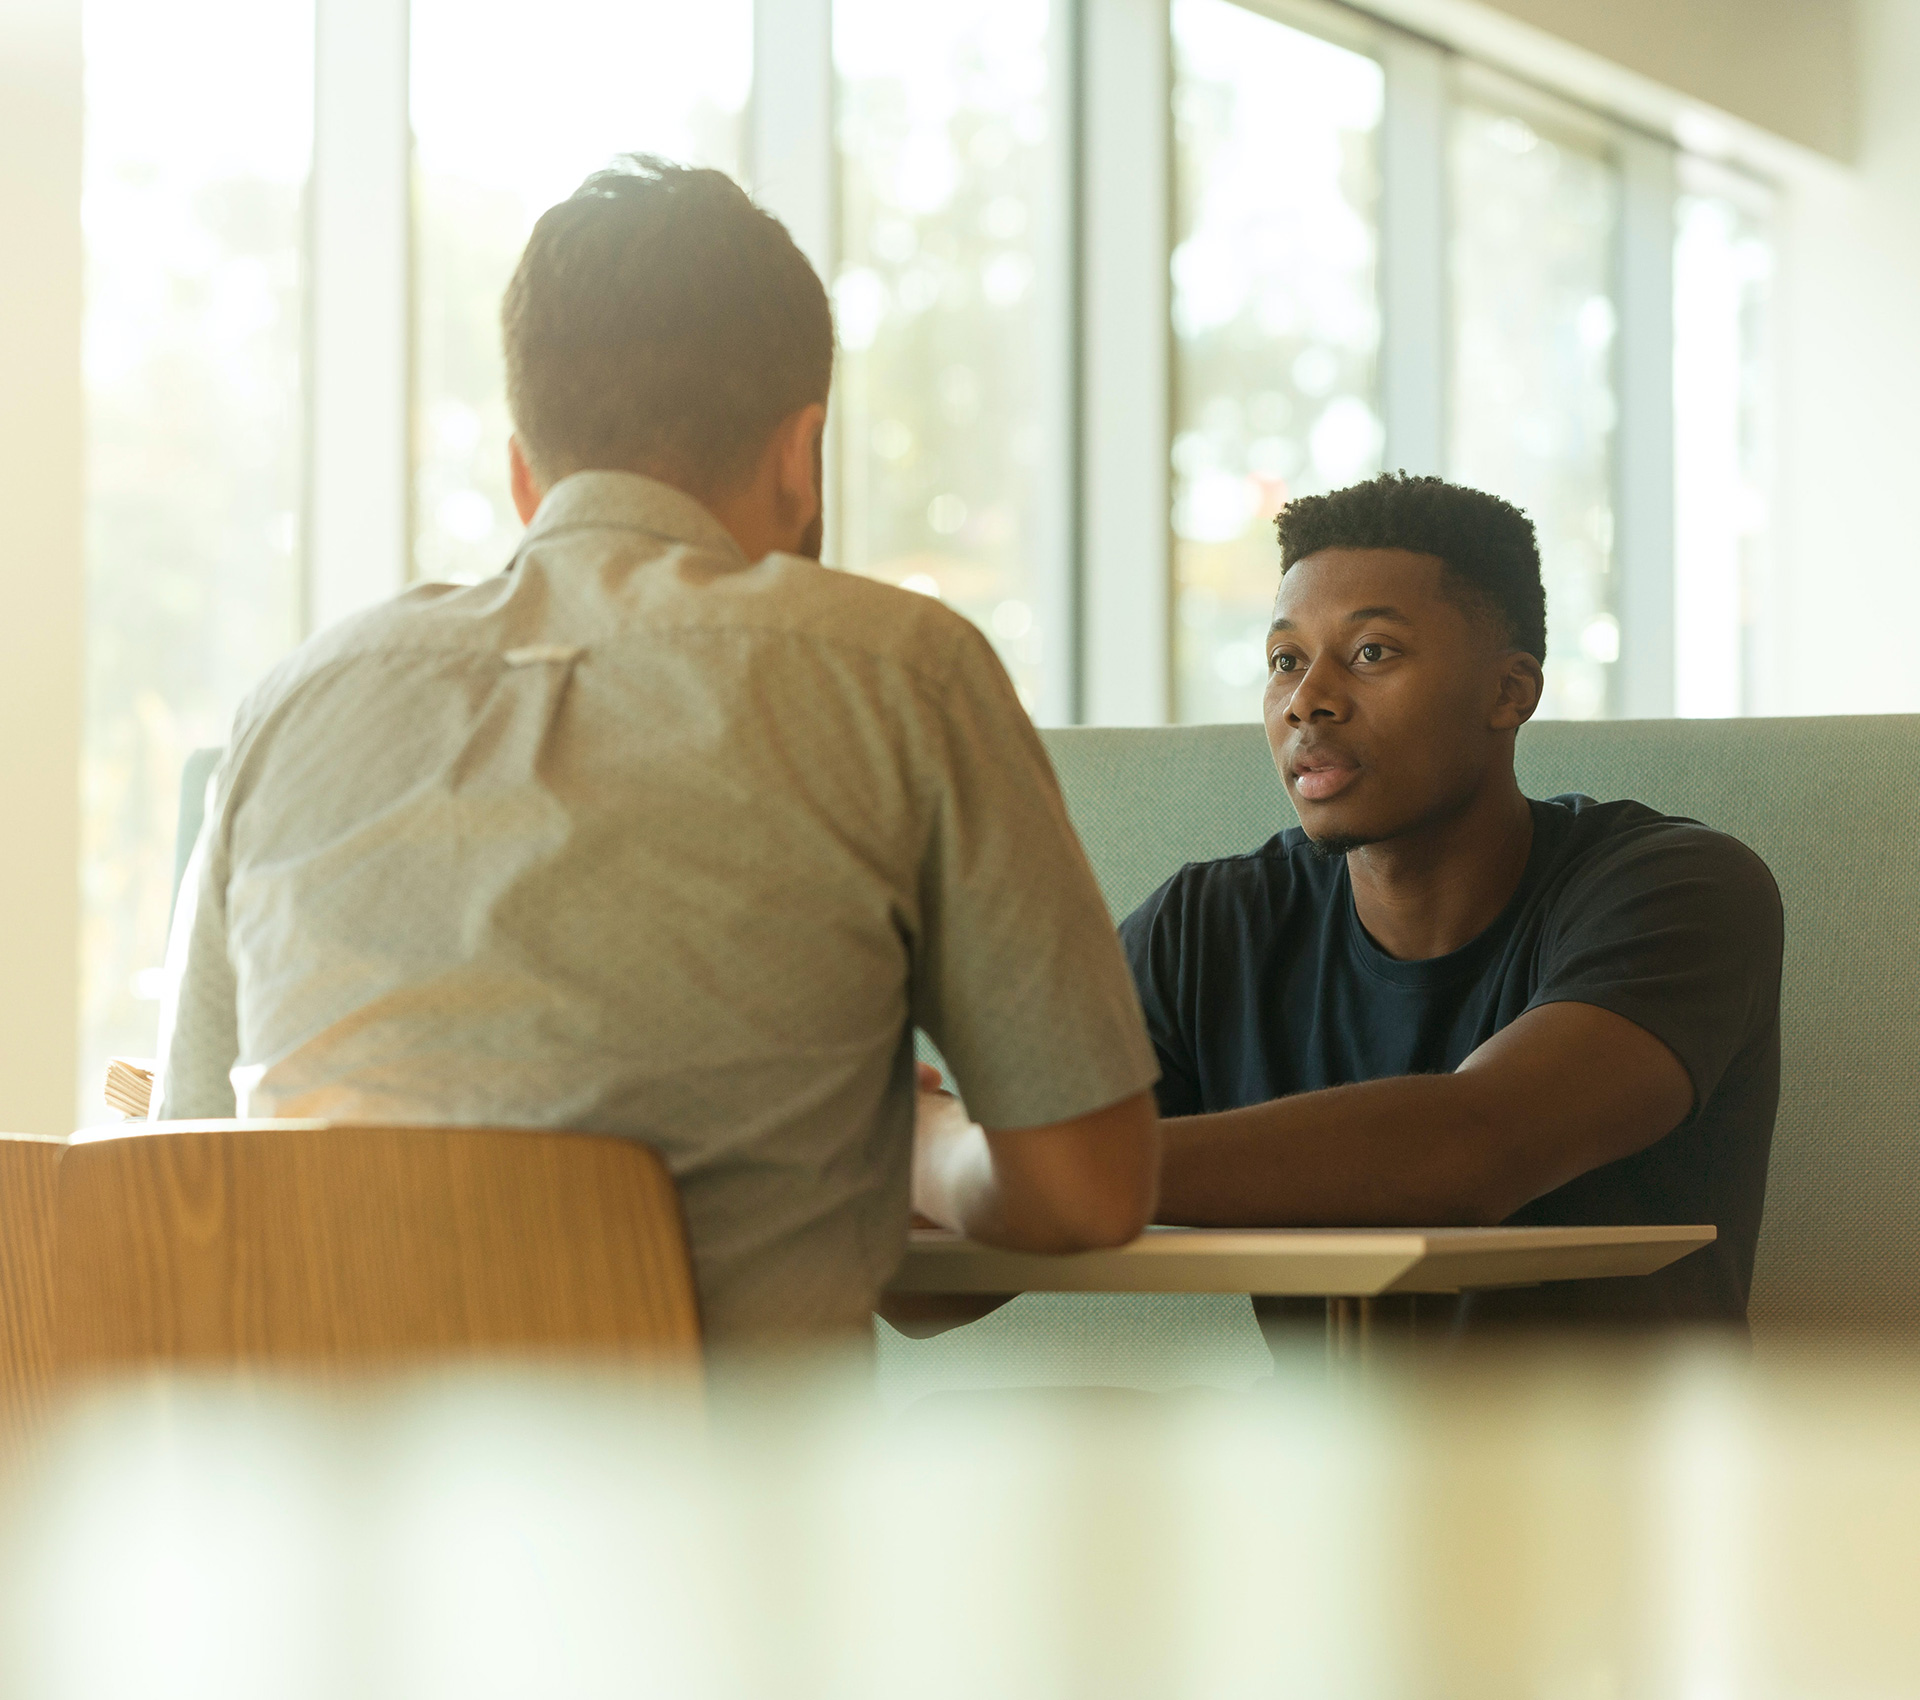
947 153
1276 320
1723 273
507 120
199 123
1535 212
1313 246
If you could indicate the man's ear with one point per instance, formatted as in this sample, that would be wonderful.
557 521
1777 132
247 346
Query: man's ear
526 492
1521 683
796 458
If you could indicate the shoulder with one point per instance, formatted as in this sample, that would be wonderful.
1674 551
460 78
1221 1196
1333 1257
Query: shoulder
1255 887
416 622
1628 831
1628 847
854 616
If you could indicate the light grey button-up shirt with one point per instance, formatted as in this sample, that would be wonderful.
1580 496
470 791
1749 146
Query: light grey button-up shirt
645 839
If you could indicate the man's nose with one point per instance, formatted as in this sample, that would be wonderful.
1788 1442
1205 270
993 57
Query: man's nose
1317 696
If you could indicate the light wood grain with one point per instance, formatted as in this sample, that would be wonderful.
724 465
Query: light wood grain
28 1165
326 1247
1327 1262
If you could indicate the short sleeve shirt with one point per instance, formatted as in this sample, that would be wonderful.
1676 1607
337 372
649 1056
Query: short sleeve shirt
645 839
1259 981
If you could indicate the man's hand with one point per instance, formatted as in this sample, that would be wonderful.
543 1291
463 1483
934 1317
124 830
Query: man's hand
934 1107
920 1316
1564 1089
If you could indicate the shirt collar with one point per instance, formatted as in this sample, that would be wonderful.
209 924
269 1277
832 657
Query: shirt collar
634 502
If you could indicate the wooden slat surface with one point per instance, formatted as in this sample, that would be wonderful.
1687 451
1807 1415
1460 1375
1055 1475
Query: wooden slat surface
1329 1262
325 1245
28 1166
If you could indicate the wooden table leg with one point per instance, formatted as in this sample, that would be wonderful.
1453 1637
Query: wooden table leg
1349 1331
1355 1330
1359 1328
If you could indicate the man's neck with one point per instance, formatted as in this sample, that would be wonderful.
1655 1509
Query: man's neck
1437 889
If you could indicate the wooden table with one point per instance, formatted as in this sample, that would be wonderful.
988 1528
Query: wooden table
1351 1268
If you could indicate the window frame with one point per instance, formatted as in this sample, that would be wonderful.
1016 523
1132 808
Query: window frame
358 519
1106 559
1699 175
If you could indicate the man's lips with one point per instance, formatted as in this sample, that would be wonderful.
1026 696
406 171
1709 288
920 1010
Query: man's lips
1318 777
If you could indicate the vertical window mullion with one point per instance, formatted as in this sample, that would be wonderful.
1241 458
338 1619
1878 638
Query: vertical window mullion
360 278
1644 451
1125 390
790 149
1416 331
792 164
1058 276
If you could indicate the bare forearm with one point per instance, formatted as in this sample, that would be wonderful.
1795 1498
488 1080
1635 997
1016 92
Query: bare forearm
1068 1186
958 1184
954 1182
1414 1149
1563 1089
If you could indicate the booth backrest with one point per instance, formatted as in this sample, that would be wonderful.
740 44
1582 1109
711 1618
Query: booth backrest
1832 804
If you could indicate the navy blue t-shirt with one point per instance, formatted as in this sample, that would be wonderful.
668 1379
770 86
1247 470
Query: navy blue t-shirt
1258 981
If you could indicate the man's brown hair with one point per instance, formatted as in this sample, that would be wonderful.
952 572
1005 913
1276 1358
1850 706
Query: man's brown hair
660 322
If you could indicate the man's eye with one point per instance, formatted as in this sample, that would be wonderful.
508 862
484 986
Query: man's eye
1373 651
1280 662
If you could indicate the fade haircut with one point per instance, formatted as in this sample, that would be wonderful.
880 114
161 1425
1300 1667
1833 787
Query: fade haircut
1488 546
660 322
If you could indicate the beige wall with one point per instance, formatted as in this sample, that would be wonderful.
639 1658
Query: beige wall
1841 619
1786 66
40 563
1778 68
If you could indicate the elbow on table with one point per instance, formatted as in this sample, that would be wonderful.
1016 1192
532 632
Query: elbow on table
1100 1225
1486 1195
1098 1212
1084 1185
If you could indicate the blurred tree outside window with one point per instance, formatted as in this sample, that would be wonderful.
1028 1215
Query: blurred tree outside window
198 142
1723 274
944 142
1535 217
509 115
1276 321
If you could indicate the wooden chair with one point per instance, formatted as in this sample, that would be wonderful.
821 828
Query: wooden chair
324 1246
28 1165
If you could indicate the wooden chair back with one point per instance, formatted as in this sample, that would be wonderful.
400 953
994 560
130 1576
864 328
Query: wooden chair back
325 1246
28 1166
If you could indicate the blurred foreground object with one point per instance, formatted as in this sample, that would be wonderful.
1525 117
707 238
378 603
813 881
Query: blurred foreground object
336 1248
129 1086
1537 1525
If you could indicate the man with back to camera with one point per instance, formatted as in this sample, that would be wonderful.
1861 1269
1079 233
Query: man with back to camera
668 831
1435 1001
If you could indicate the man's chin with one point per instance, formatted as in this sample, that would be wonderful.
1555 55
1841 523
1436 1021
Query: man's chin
1329 845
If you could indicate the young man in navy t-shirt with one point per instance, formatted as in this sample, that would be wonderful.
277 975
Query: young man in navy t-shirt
1437 1001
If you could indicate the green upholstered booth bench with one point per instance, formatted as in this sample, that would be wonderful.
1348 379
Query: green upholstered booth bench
1832 804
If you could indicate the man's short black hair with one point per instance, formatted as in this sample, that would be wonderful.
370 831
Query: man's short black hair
659 321
1488 545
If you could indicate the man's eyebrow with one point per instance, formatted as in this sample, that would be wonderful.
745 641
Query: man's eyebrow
1383 611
